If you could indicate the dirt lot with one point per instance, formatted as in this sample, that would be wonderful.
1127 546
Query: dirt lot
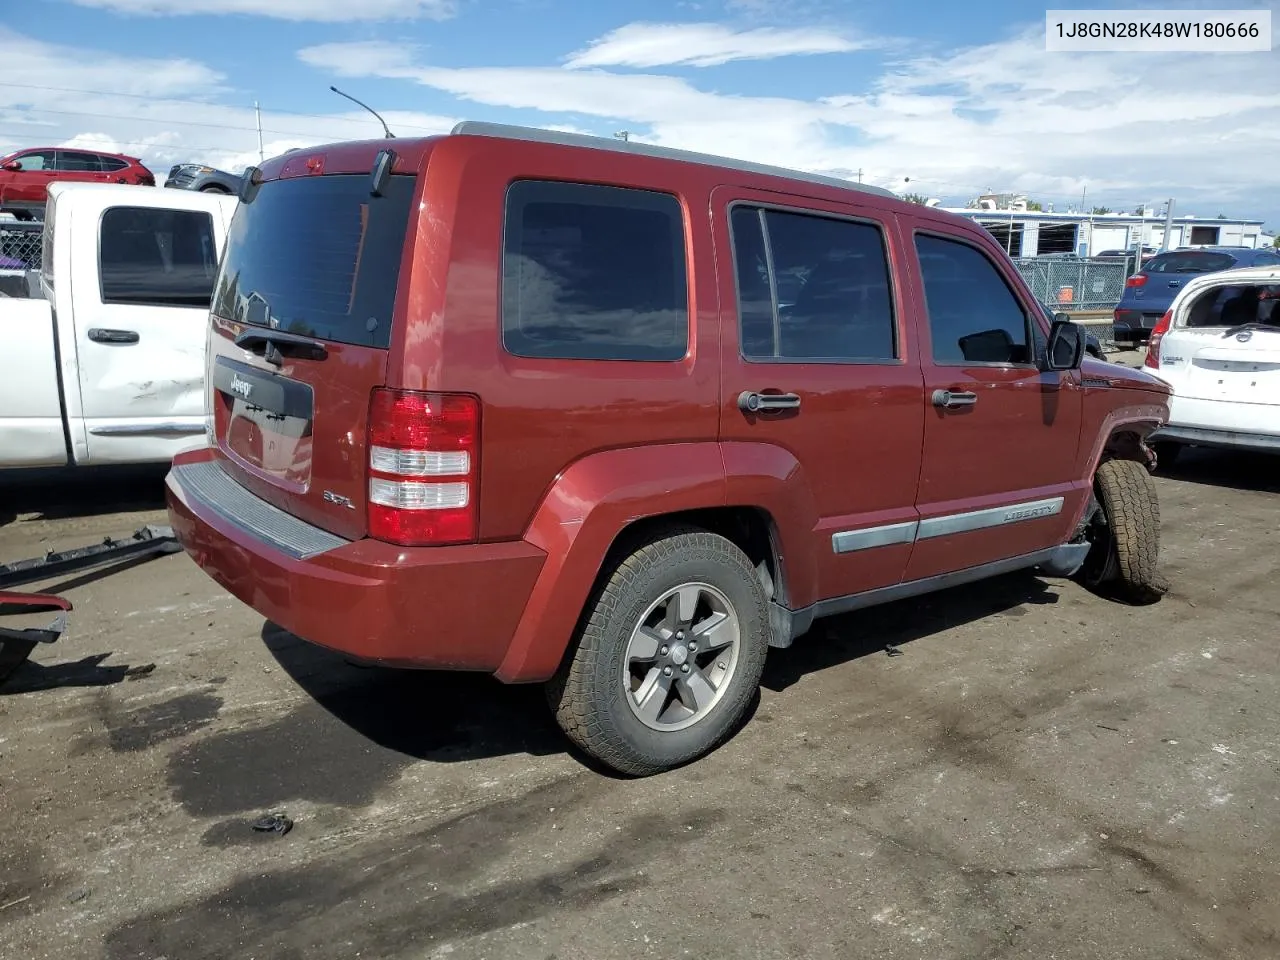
1041 774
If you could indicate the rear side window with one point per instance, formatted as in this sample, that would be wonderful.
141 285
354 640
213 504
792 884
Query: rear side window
812 287
319 257
593 273
112 164
72 162
157 257
974 317
1190 262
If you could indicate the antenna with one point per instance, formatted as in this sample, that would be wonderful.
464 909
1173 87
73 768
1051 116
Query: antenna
385 128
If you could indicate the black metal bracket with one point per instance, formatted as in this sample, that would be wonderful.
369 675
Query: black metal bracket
144 542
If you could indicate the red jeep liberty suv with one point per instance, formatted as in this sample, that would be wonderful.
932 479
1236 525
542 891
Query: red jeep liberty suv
619 418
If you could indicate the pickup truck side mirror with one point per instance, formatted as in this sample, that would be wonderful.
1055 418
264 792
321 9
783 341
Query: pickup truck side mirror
1066 346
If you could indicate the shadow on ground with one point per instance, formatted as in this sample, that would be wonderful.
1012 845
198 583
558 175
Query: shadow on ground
57 494
1225 468
840 639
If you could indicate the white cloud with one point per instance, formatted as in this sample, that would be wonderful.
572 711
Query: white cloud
1003 115
324 11
163 111
704 45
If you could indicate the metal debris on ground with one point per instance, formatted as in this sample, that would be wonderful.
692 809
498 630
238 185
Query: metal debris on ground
273 823
891 650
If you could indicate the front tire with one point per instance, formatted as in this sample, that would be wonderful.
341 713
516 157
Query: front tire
1124 528
669 658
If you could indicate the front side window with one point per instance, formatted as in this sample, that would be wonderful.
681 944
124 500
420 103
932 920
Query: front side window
37 160
812 287
157 257
593 273
974 317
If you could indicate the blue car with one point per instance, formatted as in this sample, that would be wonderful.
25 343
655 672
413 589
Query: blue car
1150 291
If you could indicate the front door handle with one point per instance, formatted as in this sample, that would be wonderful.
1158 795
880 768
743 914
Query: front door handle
100 335
751 401
951 399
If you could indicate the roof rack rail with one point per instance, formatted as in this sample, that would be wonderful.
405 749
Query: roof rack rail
503 131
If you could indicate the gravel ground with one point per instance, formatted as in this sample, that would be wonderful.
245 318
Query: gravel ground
1041 774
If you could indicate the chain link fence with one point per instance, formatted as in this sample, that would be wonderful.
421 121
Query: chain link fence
1075 285
20 246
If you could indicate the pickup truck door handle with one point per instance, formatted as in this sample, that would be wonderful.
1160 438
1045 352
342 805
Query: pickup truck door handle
750 401
951 399
100 335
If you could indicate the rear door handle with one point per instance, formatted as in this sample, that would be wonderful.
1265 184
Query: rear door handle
101 335
751 401
952 399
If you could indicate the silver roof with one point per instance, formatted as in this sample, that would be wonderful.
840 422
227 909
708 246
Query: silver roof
476 128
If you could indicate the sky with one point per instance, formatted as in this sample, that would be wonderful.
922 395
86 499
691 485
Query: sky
924 96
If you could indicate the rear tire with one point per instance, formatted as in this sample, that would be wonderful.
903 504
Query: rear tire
1125 532
669 656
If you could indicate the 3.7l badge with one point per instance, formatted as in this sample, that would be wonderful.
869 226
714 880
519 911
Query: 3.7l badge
331 497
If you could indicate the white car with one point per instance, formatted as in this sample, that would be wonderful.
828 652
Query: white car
1218 347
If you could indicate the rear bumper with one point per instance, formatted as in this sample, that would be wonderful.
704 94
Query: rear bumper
1221 423
1132 325
453 608
1227 439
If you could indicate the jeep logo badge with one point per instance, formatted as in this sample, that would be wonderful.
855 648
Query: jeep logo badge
242 387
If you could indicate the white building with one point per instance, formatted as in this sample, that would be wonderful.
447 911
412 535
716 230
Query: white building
1035 233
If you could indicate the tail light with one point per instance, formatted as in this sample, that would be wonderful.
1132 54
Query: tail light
1153 345
1137 280
423 468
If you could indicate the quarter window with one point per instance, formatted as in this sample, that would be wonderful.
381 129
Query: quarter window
973 315
594 273
812 287
157 257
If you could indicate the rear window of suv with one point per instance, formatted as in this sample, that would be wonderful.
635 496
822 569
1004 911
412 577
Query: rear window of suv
319 257
1191 262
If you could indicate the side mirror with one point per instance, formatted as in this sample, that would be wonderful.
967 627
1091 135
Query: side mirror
1066 346
13 165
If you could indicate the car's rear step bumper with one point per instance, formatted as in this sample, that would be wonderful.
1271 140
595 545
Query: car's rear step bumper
451 607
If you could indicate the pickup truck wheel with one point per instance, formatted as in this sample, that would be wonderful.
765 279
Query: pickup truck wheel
1124 528
669 658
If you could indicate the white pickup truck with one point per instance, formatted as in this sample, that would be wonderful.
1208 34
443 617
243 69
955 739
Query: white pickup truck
104 363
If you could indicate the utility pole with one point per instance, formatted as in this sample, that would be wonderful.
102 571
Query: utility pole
1083 192
257 112
1168 227
859 174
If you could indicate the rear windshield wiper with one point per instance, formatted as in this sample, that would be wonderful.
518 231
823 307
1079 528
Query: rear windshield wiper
275 344
1232 331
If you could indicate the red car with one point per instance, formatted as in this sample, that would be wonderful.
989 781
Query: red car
25 176
620 419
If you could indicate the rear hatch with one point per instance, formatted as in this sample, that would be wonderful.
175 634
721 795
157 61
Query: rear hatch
1207 359
1153 288
308 288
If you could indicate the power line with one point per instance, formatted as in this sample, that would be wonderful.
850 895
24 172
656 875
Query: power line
190 102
